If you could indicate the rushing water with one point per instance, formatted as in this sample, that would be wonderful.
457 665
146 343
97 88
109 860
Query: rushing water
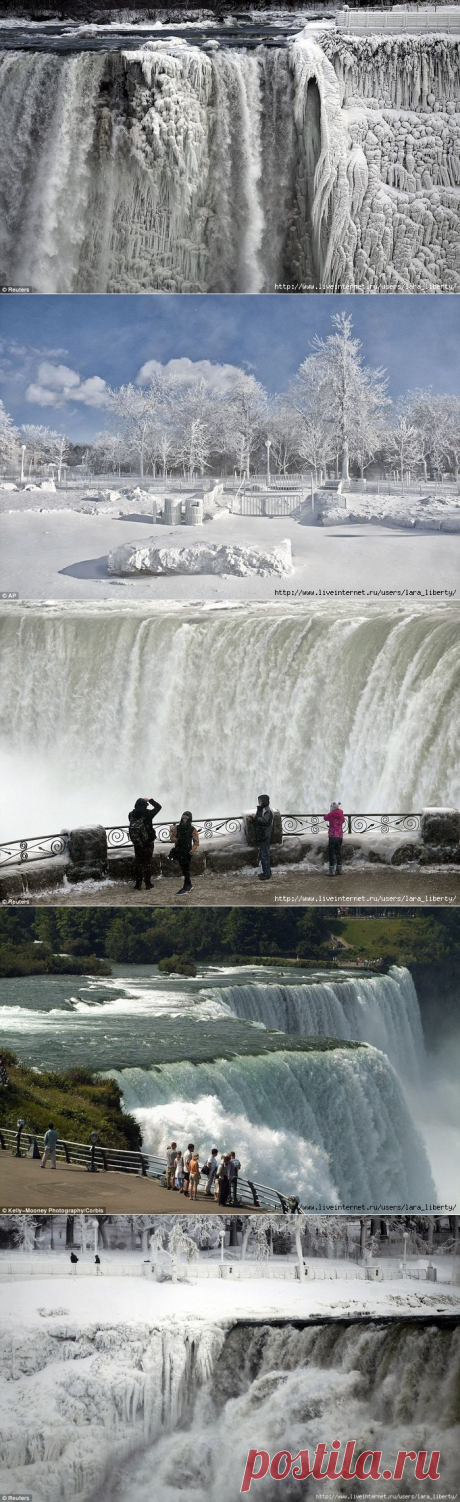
382 1010
205 711
180 167
195 1061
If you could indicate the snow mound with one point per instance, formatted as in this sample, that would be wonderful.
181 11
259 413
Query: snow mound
42 485
202 558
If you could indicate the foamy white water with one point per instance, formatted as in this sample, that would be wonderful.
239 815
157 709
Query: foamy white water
195 710
348 1104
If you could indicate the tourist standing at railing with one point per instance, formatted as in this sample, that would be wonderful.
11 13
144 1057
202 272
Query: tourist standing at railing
187 1161
171 1155
263 820
223 1181
335 821
211 1169
185 841
142 836
51 1140
234 1166
195 1175
179 1171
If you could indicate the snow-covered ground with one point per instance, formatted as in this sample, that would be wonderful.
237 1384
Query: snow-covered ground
62 554
28 1303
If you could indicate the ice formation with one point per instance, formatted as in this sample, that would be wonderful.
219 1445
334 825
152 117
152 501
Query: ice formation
181 1406
201 558
127 1386
330 162
390 743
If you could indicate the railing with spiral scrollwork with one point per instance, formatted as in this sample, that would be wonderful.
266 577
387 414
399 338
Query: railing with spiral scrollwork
40 848
44 847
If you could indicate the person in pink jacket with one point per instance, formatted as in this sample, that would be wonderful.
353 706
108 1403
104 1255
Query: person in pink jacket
335 821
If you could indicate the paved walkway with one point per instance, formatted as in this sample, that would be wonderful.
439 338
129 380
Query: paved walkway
24 1185
371 885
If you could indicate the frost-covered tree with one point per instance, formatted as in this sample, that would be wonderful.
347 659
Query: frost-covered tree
316 445
9 438
335 387
284 436
109 451
403 444
164 449
451 435
36 439
46 446
138 407
59 453
181 1244
427 413
245 420
196 413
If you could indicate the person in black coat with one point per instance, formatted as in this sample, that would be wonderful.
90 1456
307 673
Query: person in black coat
142 836
185 841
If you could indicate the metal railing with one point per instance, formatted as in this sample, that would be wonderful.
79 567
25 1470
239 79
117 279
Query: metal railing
95 1158
44 847
41 847
208 829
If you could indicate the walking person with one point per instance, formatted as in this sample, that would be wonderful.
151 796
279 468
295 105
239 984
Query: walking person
185 841
263 820
187 1161
234 1166
171 1154
195 1174
142 836
335 821
51 1140
211 1170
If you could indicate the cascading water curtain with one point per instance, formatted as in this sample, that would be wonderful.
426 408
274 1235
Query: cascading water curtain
390 746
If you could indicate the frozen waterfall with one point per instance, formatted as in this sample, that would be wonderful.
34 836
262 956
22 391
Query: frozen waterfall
382 1010
101 1410
293 1389
85 737
326 1125
330 163
127 1386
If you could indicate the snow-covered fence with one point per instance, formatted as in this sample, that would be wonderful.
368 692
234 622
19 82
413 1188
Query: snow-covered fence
400 19
45 847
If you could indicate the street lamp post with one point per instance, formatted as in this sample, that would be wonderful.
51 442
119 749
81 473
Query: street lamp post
268 444
23 455
19 1125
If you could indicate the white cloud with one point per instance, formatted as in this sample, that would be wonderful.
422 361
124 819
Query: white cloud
219 377
58 384
57 376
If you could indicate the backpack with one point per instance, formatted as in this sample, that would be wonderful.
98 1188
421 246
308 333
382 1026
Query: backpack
138 832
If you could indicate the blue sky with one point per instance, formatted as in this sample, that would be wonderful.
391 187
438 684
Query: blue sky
57 353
